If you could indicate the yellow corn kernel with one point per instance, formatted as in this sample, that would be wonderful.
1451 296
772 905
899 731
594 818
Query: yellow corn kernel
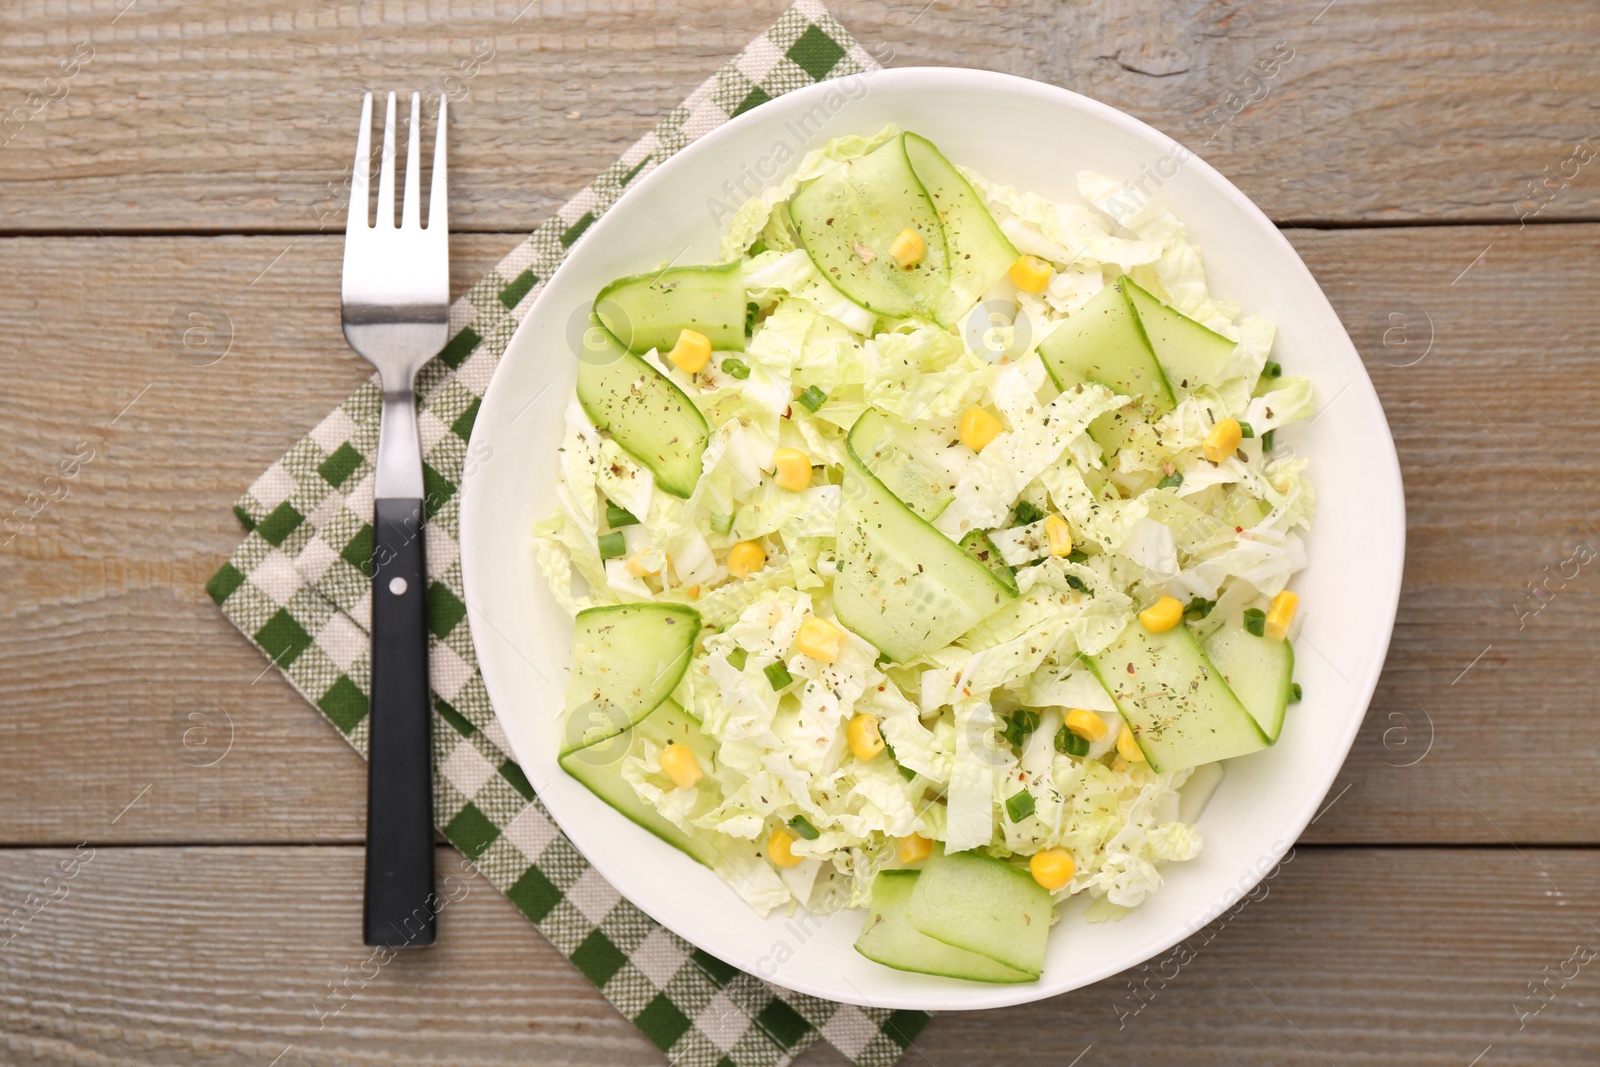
680 765
792 468
694 592
779 850
1281 614
746 558
820 639
1086 724
1222 440
862 733
1128 746
692 352
1162 616
1053 868
907 248
1058 534
1031 274
915 849
978 428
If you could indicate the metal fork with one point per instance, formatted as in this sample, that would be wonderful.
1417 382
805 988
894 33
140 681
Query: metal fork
397 316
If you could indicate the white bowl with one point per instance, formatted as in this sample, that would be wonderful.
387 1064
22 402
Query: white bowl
1036 137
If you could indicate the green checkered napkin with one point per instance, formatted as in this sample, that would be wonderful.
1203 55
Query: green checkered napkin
297 589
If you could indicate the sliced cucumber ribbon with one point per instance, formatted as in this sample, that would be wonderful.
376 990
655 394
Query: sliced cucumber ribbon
902 584
849 218
643 410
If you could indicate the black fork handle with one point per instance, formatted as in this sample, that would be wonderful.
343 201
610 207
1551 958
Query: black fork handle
400 907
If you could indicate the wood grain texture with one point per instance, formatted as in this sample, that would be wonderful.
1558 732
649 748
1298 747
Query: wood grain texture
1484 371
208 116
232 956
111 635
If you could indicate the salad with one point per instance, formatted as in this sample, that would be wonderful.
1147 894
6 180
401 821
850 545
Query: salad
928 552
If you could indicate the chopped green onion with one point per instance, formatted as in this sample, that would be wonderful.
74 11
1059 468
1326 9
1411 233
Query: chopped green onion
612 546
1077 556
1019 806
752 311
1255 620
722 523
617 518
1266 440
1077 583
779 676
736 368
1246 430
737 659
1070 744
802 826
813 398
905 772
1295 692
1025 514
1175 479
1272 369
1021 723
1199 608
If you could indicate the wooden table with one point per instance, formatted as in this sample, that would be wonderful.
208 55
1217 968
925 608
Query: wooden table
1442 909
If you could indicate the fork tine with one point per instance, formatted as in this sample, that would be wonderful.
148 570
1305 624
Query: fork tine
386 172
410 208
363 167
438 214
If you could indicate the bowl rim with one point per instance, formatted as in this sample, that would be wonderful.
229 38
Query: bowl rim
1389 568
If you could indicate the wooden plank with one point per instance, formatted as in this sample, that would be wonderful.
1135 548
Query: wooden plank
224 956
1481 366
231 955
115 644
185 116
94 684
